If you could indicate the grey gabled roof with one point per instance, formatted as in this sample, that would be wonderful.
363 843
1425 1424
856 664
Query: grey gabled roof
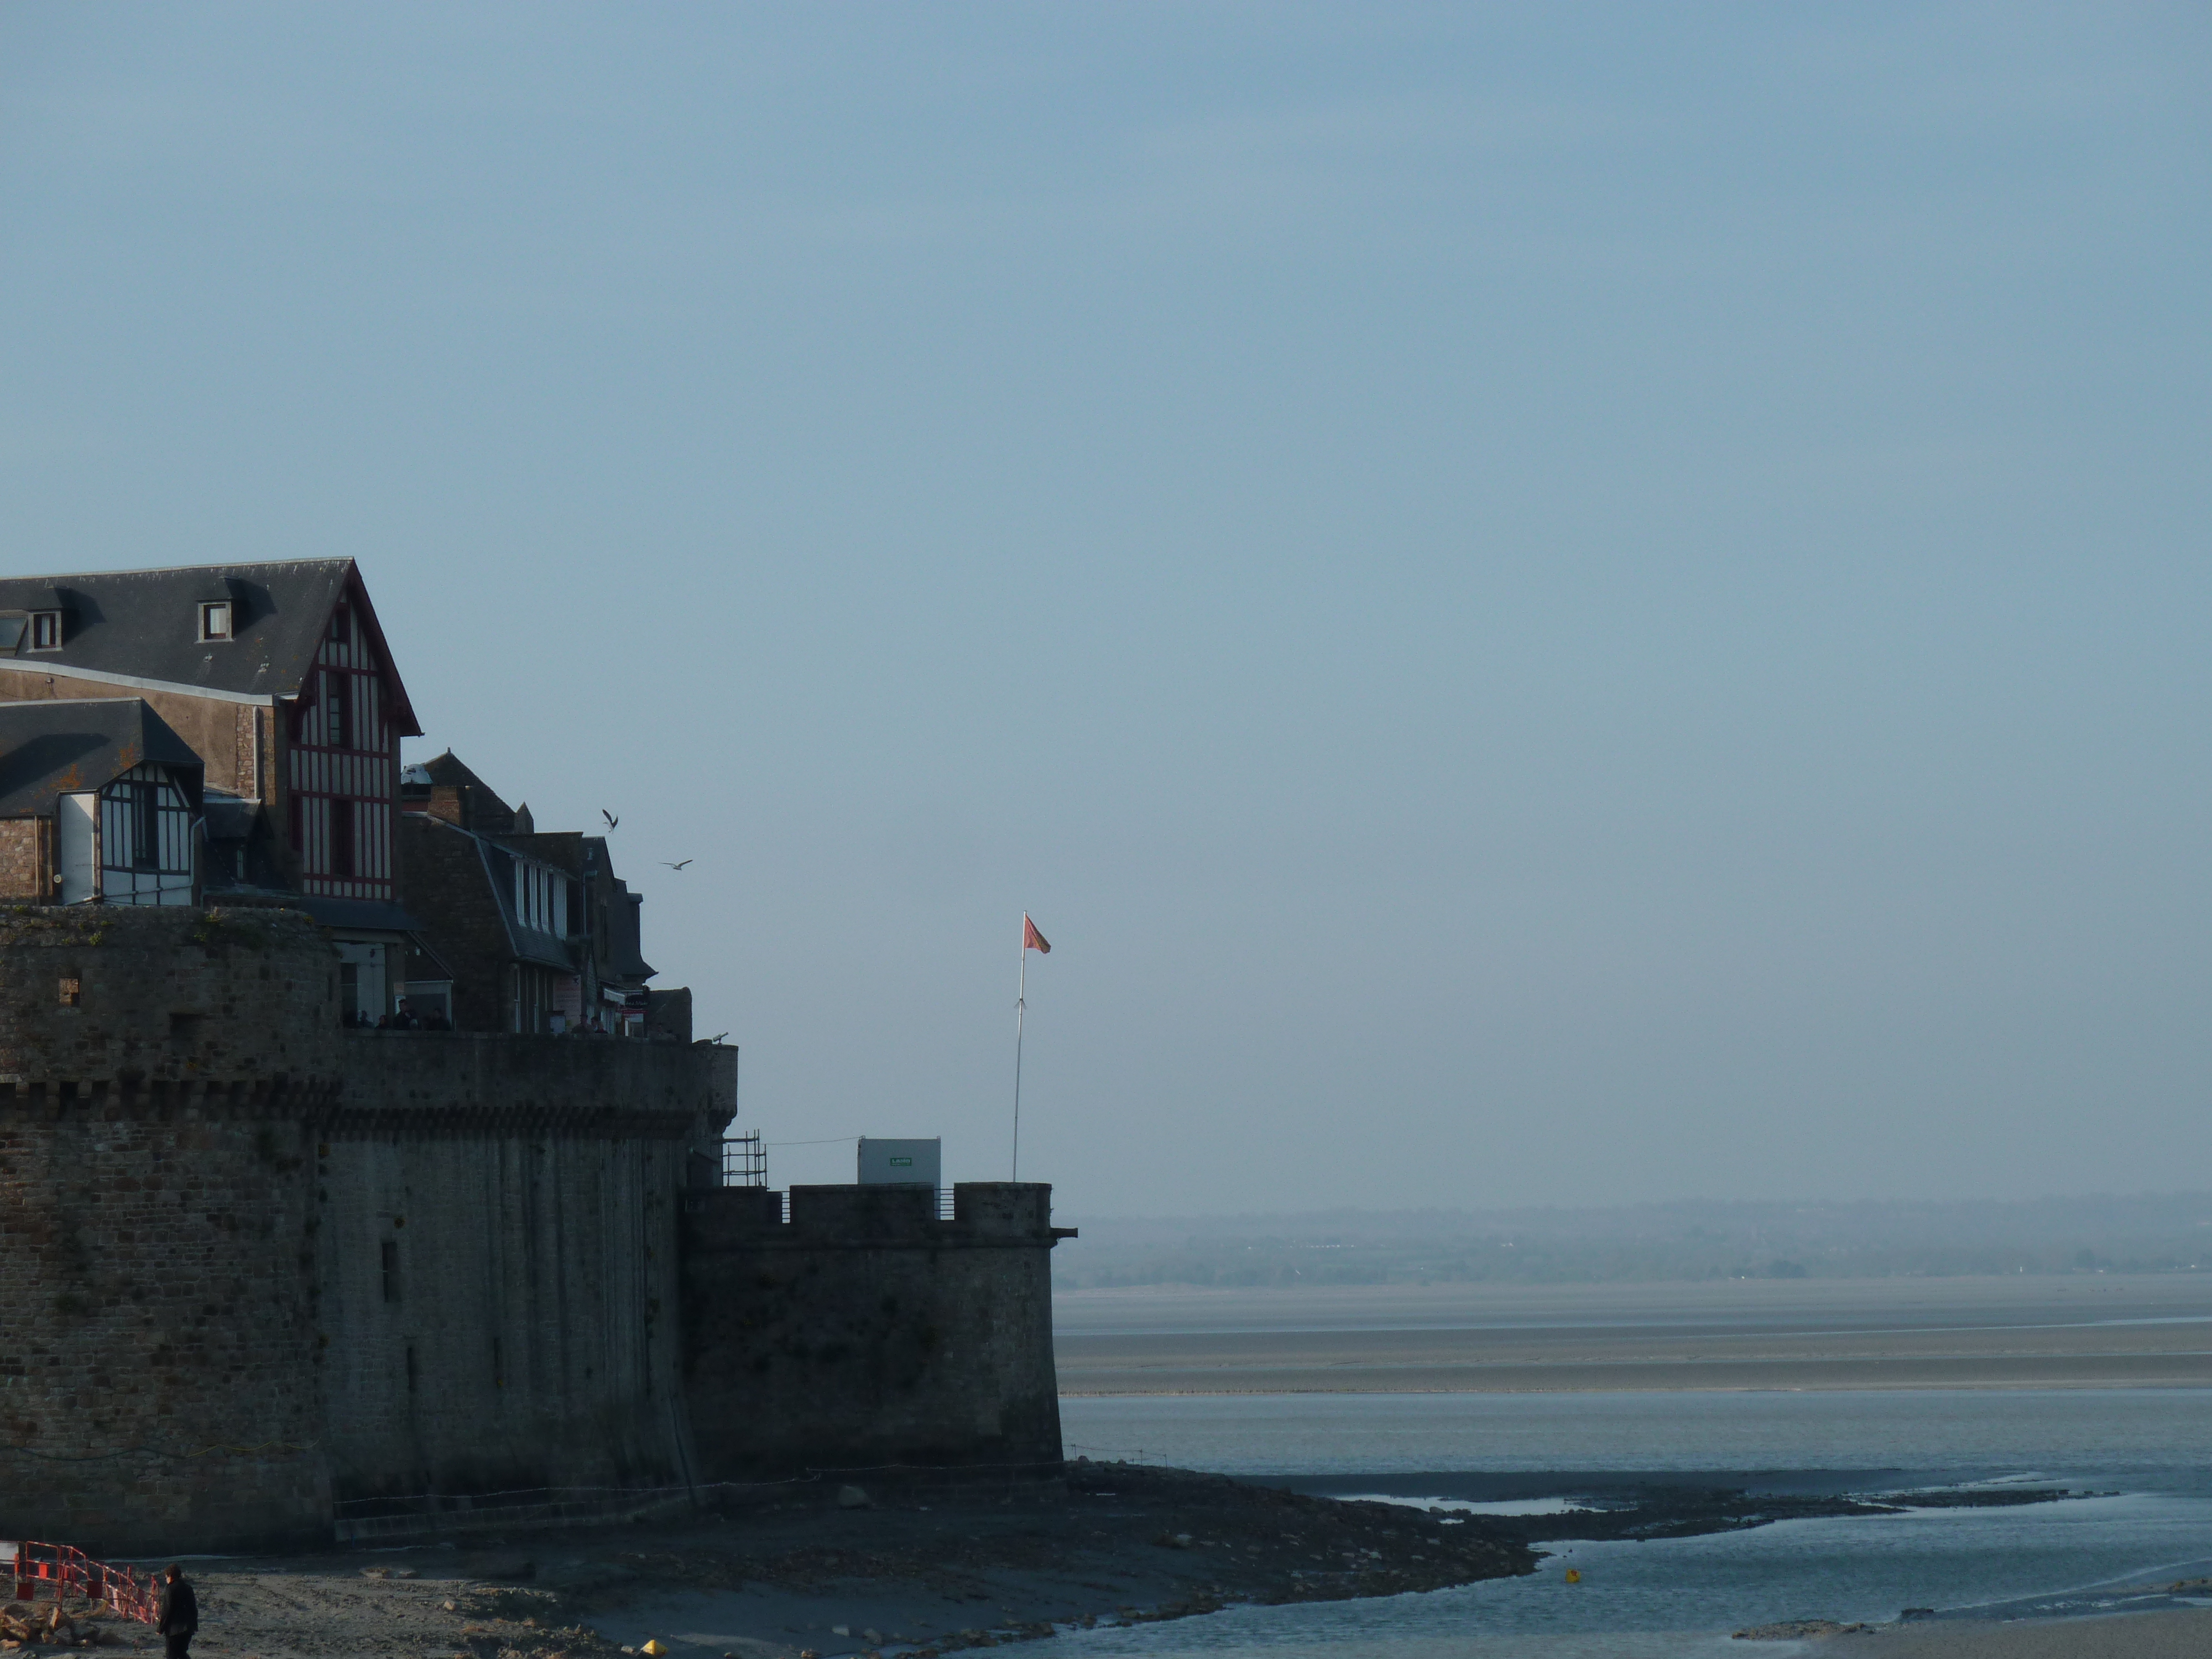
48 750
132 626
529 943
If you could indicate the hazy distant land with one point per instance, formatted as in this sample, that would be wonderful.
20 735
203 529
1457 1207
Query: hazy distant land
2147 1233
2060 1293
2084 1331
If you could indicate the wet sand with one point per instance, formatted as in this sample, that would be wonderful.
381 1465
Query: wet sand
2170 1635
1116 1544
2087 1331
920 1574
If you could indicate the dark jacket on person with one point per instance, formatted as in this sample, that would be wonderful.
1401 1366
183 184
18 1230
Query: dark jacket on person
180 1610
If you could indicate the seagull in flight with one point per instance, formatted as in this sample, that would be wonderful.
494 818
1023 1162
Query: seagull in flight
611 819
675 867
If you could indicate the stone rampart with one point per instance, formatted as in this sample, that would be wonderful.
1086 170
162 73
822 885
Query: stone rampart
159 1077
257 1265
864 1333
263 1272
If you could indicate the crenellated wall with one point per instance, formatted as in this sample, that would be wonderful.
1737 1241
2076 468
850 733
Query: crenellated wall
263 1274
864 1333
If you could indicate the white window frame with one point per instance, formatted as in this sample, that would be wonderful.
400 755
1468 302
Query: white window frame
208 633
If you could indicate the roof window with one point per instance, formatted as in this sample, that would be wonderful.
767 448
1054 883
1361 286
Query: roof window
12 630
46 630
214 620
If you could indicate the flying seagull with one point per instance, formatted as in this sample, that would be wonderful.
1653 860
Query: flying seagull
611 819
675 867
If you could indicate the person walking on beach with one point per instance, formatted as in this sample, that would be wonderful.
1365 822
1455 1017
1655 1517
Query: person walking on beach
178 1617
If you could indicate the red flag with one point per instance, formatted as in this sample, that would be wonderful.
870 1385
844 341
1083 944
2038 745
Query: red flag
1032 940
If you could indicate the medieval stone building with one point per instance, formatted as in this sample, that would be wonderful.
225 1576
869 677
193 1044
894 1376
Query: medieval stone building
279 679
280 1268
536 931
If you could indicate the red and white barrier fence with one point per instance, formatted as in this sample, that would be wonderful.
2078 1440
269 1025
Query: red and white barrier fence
63 1574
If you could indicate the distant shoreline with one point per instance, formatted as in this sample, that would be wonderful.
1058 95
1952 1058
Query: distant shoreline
2032 1386
2121 1332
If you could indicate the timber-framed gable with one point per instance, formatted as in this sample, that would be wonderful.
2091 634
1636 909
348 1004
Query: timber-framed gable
342 759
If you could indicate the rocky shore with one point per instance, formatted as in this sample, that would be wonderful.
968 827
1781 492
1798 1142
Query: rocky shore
918 1572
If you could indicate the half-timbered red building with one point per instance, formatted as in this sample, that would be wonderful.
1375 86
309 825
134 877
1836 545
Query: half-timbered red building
279 678
342 759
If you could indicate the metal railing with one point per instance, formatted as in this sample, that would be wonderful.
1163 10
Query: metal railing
744 1163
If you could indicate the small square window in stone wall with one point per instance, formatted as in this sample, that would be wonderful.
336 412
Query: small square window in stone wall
72 990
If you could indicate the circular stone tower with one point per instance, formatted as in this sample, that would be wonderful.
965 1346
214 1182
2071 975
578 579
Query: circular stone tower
162 1073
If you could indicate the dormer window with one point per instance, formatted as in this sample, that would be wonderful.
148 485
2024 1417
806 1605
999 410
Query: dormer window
214 620
46 630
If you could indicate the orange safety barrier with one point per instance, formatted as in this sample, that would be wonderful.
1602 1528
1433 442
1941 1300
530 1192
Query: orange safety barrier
67 1574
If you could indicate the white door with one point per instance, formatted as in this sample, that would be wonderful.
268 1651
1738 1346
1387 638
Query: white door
76 819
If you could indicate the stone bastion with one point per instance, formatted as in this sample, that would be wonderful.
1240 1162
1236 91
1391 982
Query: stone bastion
260 1270
270 1280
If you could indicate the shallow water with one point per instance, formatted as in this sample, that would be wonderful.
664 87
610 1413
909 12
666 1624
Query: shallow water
1955 1434
2151 1449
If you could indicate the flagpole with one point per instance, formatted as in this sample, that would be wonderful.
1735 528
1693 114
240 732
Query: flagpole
1021 1006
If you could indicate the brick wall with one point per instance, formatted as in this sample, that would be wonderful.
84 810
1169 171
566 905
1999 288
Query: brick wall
218 730
26 873
441 881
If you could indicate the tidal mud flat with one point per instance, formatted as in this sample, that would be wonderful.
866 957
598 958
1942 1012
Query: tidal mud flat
926 1573
2092 1332
922 1574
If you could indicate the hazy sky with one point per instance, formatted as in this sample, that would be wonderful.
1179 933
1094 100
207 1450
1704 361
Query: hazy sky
1546 604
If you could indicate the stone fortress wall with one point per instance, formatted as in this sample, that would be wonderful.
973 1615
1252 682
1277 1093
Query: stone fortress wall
498 1261
866 1333
260 1267
159 1075
263 1273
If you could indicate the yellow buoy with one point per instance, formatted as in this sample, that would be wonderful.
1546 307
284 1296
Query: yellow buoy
1574 1574
654 1647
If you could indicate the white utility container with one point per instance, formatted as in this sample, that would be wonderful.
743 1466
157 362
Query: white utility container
902 1163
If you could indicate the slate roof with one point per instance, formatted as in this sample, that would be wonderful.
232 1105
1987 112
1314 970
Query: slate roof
496 852
48 750
359 914
136 626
